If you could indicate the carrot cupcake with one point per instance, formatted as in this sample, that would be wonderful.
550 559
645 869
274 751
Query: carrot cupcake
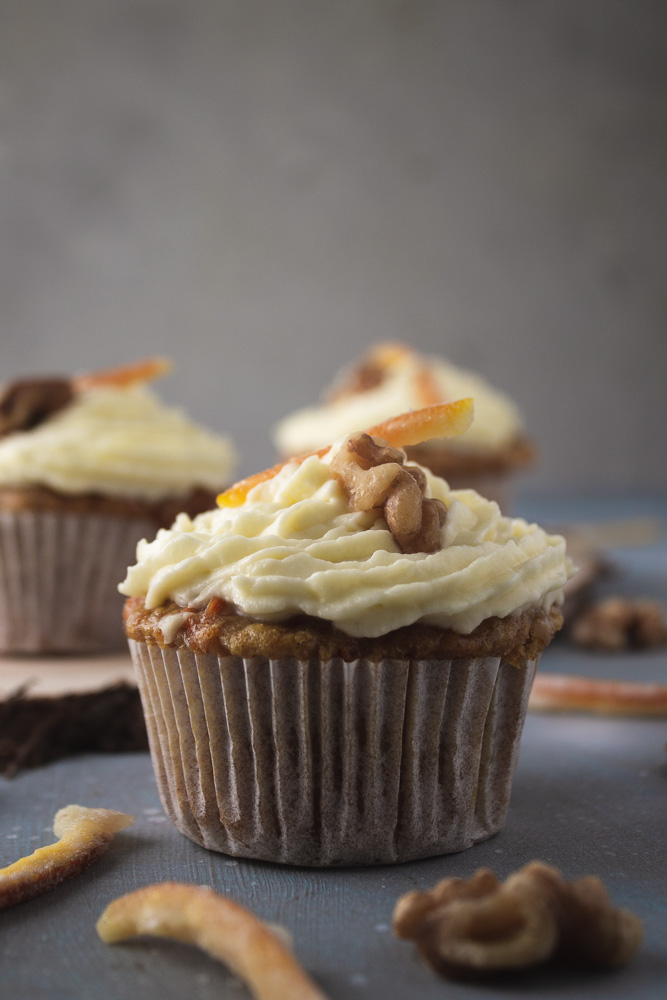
88 465
335 663
392 379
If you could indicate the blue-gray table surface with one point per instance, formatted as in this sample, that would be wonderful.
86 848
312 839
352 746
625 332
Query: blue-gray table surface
589 796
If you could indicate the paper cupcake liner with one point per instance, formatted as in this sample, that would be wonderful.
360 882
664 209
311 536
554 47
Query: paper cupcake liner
332 763
59 576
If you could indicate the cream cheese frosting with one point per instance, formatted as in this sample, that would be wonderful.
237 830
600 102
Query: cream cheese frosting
295 547
497 420
119 442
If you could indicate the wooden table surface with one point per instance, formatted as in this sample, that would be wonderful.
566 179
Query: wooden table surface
590 796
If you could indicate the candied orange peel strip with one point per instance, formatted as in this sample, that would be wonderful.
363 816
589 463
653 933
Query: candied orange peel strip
146 370
236 494
84 834
390 356
390 353
439 421
572 693
442 420
228 932
427 388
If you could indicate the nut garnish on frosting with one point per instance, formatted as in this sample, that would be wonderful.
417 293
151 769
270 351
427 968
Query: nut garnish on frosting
371 371
291 541
375 477
441 420
26 403
378 366
394 378
106 433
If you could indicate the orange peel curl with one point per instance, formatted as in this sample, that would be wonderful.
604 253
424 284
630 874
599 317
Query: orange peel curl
228 932
385 360
440 421
146 370
390 353
414 427
395 355
84 834
572 693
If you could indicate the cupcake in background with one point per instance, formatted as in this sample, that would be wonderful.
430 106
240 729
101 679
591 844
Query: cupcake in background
335 664
393 378
88 466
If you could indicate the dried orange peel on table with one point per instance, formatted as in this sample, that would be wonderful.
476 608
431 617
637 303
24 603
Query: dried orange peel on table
414 427
84 834
197 915
572 693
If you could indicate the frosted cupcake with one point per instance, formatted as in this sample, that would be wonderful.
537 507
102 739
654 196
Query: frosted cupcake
335 663
393 379
88 466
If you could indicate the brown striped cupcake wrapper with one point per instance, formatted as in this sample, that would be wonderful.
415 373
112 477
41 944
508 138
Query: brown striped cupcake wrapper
332 763
59 575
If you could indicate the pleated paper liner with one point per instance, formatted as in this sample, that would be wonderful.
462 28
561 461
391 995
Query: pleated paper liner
332 763
59 575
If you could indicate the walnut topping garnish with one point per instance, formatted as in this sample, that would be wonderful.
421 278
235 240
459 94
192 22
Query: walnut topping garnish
616 623
368 374
371 371
26 403
482 925
378 365
374 478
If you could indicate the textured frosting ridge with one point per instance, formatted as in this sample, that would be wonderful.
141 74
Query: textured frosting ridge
497 420
294 547
120 442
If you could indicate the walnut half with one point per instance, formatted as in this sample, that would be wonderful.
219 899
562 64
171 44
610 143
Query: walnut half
26 403
481 925
374 478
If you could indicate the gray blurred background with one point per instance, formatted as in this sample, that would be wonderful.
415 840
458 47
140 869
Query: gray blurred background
261 190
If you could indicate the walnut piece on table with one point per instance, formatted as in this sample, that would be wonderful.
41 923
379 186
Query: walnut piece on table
616 624
374 477
463 928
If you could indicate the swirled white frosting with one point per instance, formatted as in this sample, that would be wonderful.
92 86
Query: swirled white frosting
295 547
120 442
497 420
